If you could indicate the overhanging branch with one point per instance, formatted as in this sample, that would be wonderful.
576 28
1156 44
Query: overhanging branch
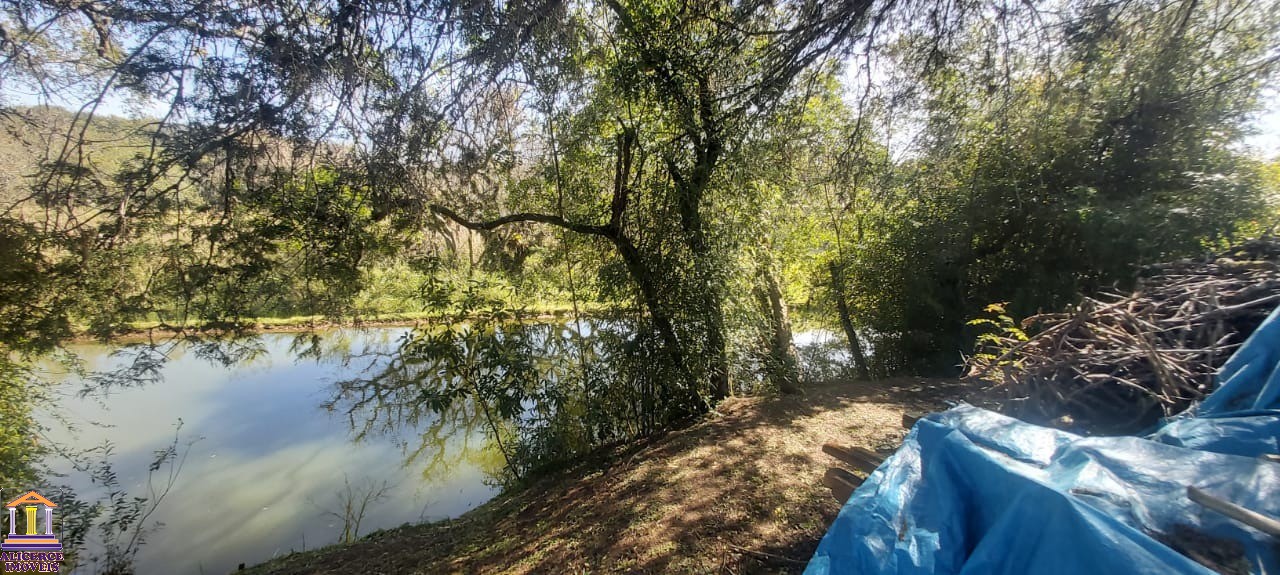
487 225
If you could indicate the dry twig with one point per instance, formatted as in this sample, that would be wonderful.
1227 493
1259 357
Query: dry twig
1116 366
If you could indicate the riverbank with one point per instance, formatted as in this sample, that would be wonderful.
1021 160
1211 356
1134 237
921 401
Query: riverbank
738 492
139 330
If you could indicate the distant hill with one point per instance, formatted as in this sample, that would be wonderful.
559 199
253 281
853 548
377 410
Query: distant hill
30 136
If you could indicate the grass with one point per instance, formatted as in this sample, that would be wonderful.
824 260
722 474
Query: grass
739 491
306 322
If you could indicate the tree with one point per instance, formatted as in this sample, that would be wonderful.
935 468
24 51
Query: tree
699 156
1055 160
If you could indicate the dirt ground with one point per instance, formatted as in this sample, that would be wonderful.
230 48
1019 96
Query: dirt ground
738 492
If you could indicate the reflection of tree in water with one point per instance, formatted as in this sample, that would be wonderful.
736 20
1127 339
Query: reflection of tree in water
536 393
343 345
383 399
142 363
457 438
452 381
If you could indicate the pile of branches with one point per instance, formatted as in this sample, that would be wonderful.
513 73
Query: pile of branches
1116 364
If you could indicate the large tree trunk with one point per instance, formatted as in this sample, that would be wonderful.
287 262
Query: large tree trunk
652 301
716 344
689 199
846 321
784 364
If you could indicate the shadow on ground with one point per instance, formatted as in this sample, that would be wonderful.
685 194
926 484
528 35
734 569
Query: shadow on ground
739 492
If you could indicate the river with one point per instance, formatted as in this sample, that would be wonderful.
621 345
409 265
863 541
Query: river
266 468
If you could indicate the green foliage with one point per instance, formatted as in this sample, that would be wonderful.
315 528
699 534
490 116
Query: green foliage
20 453
998 329
662 162
1068 178
540 391
24 456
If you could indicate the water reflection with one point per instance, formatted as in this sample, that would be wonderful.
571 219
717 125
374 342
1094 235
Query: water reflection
271 463
294 427
543 391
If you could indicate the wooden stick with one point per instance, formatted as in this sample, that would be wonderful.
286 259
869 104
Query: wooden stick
841 482
1249 517
861 459
767 556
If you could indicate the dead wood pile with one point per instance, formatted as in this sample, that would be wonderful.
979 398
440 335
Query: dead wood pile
1118 363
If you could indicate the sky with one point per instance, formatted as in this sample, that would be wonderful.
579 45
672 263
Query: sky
1264 143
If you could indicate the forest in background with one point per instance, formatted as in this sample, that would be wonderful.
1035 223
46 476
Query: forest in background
707 173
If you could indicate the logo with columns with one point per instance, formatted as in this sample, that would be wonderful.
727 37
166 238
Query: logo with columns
33 539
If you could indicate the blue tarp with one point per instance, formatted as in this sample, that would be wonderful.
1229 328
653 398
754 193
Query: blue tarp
973 491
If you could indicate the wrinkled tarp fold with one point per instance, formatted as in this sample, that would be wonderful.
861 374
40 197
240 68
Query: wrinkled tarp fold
973 491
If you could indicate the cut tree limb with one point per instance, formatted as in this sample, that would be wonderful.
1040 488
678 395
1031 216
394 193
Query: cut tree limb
841 482
861 459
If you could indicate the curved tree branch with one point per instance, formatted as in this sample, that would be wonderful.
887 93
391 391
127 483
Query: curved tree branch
487 225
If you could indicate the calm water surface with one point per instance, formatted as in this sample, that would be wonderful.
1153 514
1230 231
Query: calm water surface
268 463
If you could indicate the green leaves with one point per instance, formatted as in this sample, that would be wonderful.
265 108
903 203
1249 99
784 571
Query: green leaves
1080 166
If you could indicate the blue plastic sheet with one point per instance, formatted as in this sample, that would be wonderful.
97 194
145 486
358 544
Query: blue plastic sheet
973 491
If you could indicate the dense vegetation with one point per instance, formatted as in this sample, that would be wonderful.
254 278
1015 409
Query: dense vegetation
701 172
